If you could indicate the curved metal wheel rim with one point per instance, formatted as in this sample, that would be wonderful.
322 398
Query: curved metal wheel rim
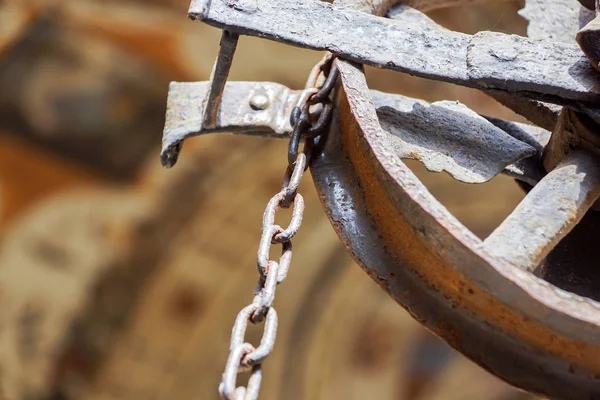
541 338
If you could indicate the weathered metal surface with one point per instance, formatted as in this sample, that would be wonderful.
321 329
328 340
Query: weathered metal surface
558 21
237 112
555 20
588 38
421 5
448 136
537 337
529 170
572 131
548 212
542 114
444 135
410 14
425 259
343 31
218 79
518 64
421 47
419 50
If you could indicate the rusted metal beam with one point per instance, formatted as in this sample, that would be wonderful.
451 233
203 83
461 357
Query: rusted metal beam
540 113
218 79
548 213
485 60
518 64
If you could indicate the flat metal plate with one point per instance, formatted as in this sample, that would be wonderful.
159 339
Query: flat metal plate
486 60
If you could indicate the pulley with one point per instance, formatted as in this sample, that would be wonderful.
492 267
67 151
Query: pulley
523 302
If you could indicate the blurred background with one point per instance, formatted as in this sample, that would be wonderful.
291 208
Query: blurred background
121 280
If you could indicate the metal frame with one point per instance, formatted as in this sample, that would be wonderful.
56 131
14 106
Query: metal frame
479 296
519 327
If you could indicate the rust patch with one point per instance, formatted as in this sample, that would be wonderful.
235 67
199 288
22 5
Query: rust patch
404 246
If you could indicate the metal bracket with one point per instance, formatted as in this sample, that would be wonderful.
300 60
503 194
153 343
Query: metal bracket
211 100
471 148
251 108
485 60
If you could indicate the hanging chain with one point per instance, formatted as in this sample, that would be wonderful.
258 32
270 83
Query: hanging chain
309 119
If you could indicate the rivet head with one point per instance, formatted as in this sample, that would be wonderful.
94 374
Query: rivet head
259 102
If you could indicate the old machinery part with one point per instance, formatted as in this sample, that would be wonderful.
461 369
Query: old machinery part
523 302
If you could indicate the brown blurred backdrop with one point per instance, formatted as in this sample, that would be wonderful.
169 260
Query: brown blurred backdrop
121 280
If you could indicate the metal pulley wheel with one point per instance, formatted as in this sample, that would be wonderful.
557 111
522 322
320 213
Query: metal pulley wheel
523 303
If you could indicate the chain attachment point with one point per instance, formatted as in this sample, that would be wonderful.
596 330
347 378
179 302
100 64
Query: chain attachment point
307 126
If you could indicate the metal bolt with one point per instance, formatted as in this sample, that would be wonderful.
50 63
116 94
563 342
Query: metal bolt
259 102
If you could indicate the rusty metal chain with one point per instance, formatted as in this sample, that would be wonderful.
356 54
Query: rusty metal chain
309 119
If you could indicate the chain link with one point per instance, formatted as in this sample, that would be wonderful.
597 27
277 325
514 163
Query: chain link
309 119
